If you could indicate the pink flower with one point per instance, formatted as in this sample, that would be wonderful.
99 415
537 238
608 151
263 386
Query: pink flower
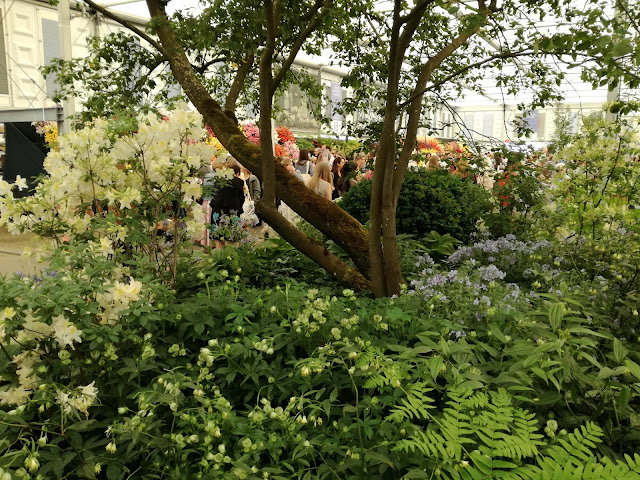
252 132
293 150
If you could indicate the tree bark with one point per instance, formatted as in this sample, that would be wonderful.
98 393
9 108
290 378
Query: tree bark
313 249
236 86
386 275
266 104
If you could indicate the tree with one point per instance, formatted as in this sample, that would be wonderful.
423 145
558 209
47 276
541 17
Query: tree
426 51
563 121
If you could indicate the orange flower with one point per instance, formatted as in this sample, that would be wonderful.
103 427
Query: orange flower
279 150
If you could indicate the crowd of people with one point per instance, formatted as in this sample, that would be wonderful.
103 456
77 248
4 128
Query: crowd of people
327 172
230 203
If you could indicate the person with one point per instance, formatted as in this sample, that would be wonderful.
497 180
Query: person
325 155
316 155
304 165
361 161
283 208
321 180
287 163
433 161
253 185
336 176
349 177
226 201
254 190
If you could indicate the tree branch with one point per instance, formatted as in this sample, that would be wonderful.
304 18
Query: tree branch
271 12
201 69
312 248
295 48
415 109
324 215
628 16
417 10
126 24
463 70
236 86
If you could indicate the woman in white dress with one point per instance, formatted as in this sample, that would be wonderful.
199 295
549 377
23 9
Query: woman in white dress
321 180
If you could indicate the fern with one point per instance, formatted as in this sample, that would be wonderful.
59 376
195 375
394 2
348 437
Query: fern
414 406
484 437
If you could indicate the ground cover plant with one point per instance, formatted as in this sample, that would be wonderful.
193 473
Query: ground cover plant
462 375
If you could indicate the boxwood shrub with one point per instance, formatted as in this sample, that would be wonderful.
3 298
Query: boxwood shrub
429 200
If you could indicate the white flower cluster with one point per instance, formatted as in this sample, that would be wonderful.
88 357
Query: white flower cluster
117 298
79 399
65 332
91 168
27 362
264 346
312 316
27 379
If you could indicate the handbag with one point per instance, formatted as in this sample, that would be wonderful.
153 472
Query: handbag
248 216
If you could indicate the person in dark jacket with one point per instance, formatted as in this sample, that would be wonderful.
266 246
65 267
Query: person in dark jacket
226 204
229 198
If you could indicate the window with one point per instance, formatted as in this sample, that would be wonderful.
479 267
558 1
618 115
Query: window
487 125
4 74
51 47
468 122
531 120
542 120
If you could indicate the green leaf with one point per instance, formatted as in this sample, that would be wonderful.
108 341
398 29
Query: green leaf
623 399
82 426
435 366
619 352
556 314
633 367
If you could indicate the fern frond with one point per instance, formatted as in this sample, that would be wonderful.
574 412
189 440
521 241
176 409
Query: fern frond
415 406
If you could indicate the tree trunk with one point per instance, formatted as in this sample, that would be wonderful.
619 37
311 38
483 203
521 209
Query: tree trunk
312 248
326 216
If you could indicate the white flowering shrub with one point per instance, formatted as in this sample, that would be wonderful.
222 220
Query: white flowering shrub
128 189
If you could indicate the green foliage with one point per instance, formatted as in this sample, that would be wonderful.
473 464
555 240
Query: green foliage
304 143
225 380
430 200
563 121
348 147
120 78
595 188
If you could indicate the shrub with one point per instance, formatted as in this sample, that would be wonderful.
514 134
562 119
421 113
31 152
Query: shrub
304 143
429 200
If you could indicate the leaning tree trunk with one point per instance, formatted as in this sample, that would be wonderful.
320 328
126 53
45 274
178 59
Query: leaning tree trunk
326 216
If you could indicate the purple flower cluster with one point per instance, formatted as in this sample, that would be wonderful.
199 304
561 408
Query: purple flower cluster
503 250
38 278
491 273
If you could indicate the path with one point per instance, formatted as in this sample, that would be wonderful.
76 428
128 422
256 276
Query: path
11 248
